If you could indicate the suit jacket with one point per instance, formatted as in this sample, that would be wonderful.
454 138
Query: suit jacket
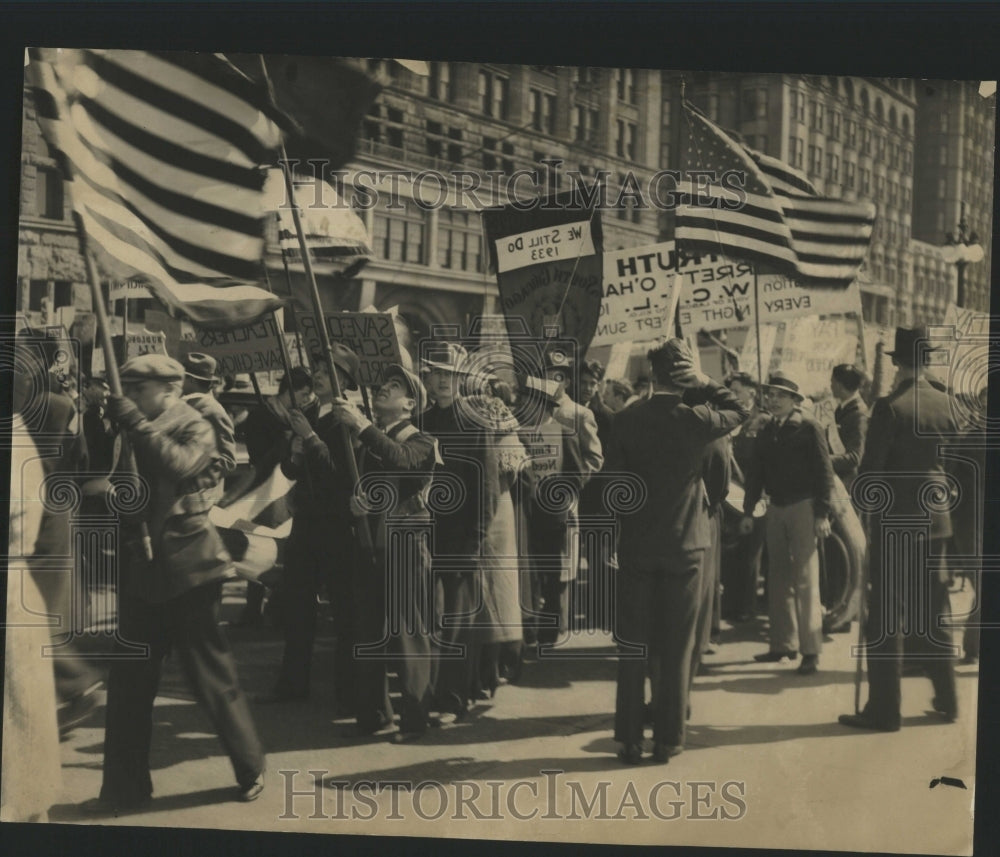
852 425
901 449
176 455
662 441
581 420
100 434
791 462
408 465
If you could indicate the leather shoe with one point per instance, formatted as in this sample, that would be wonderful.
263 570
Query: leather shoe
773 657
663 753
863 721
407 737
630 754
809 665
252 791
949 714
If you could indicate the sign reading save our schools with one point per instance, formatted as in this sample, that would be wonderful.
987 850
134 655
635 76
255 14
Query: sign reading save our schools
370 335
548 264
717 293
640 294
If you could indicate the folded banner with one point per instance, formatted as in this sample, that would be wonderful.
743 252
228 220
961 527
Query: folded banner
549 266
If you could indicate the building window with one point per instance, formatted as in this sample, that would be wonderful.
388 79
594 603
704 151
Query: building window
849 168
493 95
394 128
797 105
625 85
372 127
507 162
816 115
852 133
795 152
816 160
864 181
455 153
879 188
440 81
907 159
459 244
489 153
593 126
49 202
577 121
880 146
755 103
835 124
832 167
866 141
399 235
38 295
435 145
548 113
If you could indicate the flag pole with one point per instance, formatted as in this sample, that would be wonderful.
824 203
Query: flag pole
288 282
110 364
760 357
364 534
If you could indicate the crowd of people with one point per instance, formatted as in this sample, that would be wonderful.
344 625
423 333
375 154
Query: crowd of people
450 523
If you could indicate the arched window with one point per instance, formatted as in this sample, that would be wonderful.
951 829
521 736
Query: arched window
892 118
864 101
879 113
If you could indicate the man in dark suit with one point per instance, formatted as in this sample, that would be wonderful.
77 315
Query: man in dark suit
171 602
791 462
661 442
851 417
902 461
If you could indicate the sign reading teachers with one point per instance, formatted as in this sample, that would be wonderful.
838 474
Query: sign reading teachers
253 348
640 294
549 269
370 335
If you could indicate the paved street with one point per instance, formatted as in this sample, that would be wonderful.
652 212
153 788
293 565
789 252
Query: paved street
766 758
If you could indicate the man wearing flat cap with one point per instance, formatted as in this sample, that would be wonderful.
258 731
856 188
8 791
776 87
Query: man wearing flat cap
662 442
902 461
394 605
791 462
320 548
172 601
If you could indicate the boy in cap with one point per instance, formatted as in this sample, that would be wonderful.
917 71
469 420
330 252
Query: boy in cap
172 601
851 417
661 542
397 453
791 462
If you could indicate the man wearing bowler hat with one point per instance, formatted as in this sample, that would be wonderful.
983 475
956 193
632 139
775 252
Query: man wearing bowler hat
394 608
172 601
791 462
902 461
199 379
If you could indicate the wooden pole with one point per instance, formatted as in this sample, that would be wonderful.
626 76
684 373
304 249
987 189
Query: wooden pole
364 534
760 357
110 364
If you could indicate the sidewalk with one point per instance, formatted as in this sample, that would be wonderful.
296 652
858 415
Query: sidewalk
766 760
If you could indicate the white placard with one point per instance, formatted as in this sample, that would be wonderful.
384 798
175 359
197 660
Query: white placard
565 241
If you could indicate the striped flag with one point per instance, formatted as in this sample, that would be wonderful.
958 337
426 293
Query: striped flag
163 153
781 221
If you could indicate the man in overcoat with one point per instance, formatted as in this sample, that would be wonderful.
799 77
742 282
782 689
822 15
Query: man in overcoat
908 595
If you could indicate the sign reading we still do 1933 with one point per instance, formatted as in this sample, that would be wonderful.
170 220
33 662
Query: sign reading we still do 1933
640 294
564 241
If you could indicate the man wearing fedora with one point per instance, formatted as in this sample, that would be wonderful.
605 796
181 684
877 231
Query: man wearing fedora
902 458
393 606
320 547
172 601
661 543
579 418
199 379
791 462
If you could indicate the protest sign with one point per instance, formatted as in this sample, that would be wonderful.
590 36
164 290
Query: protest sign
253 348
748 354
129 290
549 267
716 293
640 294
145 342
370 335
810 348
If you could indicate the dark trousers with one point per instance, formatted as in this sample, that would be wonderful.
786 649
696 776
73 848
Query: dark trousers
905 602
394 630
457 664
189 626
709 590
316 556
740 573
659 610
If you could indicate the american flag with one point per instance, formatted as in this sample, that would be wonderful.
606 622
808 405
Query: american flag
163 153
783 222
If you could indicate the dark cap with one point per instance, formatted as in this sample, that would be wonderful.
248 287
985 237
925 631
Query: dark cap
346 359
908 340
413 384
780 381
152 367
201 367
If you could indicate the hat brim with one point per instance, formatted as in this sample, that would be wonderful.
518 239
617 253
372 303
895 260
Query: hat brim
200 377
430 366
800 396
